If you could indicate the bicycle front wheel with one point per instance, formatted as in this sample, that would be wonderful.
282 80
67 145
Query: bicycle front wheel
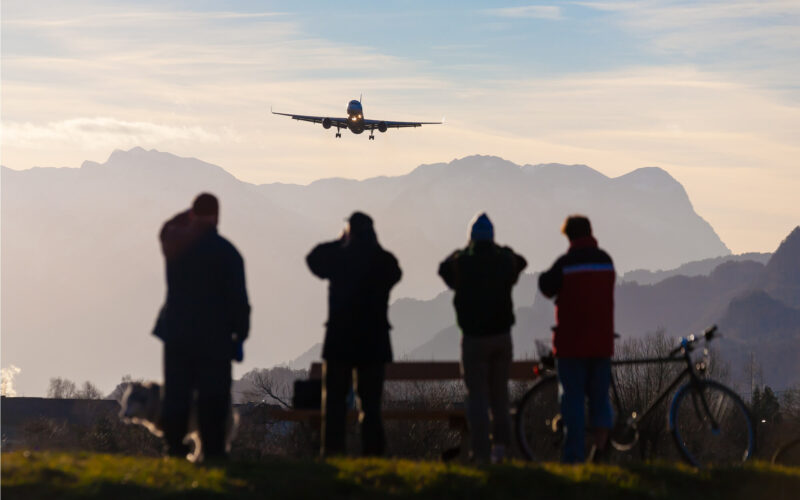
538 419
711 424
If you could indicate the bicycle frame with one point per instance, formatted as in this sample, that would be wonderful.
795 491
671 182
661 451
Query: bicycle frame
688 371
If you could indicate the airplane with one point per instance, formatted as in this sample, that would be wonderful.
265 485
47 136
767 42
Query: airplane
355 121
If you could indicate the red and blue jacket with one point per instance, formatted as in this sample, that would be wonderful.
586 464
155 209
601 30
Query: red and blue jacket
582 281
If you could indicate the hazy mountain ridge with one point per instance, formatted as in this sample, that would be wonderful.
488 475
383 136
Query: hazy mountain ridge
644 217
696 268
734 295
82 272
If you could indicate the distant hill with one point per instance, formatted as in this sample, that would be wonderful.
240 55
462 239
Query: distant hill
736 295
782 277
697 268
82 275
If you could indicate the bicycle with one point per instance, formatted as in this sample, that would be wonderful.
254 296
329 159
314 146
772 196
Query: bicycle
708 421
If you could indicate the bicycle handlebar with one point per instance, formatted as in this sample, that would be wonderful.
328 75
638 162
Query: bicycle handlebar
687 343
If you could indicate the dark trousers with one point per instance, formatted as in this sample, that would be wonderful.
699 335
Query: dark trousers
486 365
337 380
208 378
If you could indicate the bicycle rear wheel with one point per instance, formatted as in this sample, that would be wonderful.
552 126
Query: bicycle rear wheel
788 454
711 424
538 421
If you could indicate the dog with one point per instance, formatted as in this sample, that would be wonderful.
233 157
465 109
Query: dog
141 404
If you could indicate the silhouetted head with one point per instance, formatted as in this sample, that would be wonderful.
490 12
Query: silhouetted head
577 226
360 228
205 208
481 228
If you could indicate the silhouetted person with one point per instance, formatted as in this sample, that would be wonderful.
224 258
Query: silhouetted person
482 275
361 275
582 280
203 324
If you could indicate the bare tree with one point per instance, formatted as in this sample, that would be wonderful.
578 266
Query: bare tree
89 391
62 388
275 385
640 384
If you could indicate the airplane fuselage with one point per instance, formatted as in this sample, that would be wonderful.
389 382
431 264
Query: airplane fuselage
355 117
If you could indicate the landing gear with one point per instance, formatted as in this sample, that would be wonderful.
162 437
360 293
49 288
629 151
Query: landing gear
338 134
372 135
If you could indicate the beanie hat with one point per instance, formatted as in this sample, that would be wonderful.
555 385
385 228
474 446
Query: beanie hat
482 229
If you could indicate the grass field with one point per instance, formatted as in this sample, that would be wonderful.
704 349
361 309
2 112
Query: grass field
45 475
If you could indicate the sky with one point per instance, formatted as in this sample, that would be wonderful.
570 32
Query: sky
708 90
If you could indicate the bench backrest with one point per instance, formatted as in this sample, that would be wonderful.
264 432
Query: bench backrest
434 370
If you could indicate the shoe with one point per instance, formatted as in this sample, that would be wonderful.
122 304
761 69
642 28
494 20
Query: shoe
498 453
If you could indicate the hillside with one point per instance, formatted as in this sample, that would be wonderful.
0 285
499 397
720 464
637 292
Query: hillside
59 475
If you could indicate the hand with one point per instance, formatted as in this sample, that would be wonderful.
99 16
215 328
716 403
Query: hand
238 351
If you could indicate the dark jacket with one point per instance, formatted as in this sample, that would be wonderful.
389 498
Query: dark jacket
482 276
582 280
361 275
206 294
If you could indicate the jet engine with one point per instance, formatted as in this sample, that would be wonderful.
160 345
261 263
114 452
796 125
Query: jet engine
382 126
326 123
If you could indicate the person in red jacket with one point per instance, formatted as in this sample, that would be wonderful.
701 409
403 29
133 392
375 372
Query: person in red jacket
582 282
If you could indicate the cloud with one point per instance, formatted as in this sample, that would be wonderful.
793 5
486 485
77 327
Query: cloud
692 26
7 381
96 132
551 12
124 18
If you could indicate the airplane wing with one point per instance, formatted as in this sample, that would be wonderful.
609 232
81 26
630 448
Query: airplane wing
375 124
336 122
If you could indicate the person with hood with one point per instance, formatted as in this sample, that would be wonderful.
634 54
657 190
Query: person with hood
203 324
361 274
482 276
582 282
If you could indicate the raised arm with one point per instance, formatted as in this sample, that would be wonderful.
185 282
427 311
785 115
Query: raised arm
550 280
518 264
448 270
322 258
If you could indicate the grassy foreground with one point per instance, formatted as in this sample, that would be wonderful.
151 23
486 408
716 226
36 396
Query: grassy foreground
40 475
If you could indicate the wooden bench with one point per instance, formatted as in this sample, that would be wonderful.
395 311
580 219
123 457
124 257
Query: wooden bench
410 371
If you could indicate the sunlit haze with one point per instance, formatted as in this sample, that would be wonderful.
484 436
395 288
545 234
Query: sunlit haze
709 91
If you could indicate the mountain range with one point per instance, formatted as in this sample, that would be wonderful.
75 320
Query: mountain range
756 306
82 274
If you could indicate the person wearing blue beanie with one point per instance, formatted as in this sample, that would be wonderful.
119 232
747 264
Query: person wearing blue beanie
482 276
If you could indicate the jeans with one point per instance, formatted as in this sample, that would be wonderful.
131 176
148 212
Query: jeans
337 380
486 363
578 379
